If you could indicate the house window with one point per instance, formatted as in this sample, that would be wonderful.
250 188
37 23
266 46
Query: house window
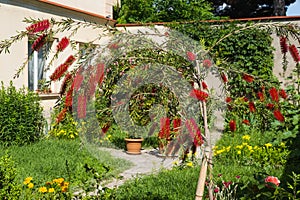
37 65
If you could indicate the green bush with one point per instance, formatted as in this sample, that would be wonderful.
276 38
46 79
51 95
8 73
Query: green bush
21 119
9 189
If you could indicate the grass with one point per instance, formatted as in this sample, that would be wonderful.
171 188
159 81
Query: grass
52 158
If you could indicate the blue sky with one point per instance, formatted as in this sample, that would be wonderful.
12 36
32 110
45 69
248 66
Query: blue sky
294 9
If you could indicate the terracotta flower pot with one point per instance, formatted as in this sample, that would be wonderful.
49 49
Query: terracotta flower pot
134 146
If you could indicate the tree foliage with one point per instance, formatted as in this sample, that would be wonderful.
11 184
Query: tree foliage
162 10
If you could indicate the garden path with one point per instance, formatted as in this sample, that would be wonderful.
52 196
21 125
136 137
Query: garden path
147 162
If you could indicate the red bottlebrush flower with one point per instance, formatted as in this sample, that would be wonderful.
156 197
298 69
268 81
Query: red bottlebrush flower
39 26
100 73
69 98
191 56
194 131
113 46
272 179
67 80
198 94
38 43
207 63
92 86
278 115
270 106
283 94
61 115
245 99
63 43
77 82
59 71
248 78
228 99
204 85
81 109
274 94
295 53
261 96
224 77
232 125
251 107
245 121
283 44
176 125
70 60
164 128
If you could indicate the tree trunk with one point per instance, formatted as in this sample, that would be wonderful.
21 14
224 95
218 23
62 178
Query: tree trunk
279 8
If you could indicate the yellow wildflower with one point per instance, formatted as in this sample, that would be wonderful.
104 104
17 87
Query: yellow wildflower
282 144
245 144
268 145
255 147
30 185
228 148
249 148
239 152
51 190
43 189
189 164
58 180
175 162
239 146
246 137
220 151
27 180
251 151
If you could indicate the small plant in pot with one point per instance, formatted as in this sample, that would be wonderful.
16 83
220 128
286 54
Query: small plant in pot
133 144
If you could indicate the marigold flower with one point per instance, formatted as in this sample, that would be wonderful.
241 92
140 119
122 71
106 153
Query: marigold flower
43 189
248 78
39 26
64 189
232 125
38 43
63 43
27 180
189 164
58 180
204 85
251 107
272 179
51 190
278 115
207 63
224 77
191 56
283 94
274 94
30 185
239 152
295 53
283 44
198 94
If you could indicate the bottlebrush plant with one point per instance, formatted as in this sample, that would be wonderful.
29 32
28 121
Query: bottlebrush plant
83 82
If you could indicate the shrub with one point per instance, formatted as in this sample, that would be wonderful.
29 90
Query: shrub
21 119
9 189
